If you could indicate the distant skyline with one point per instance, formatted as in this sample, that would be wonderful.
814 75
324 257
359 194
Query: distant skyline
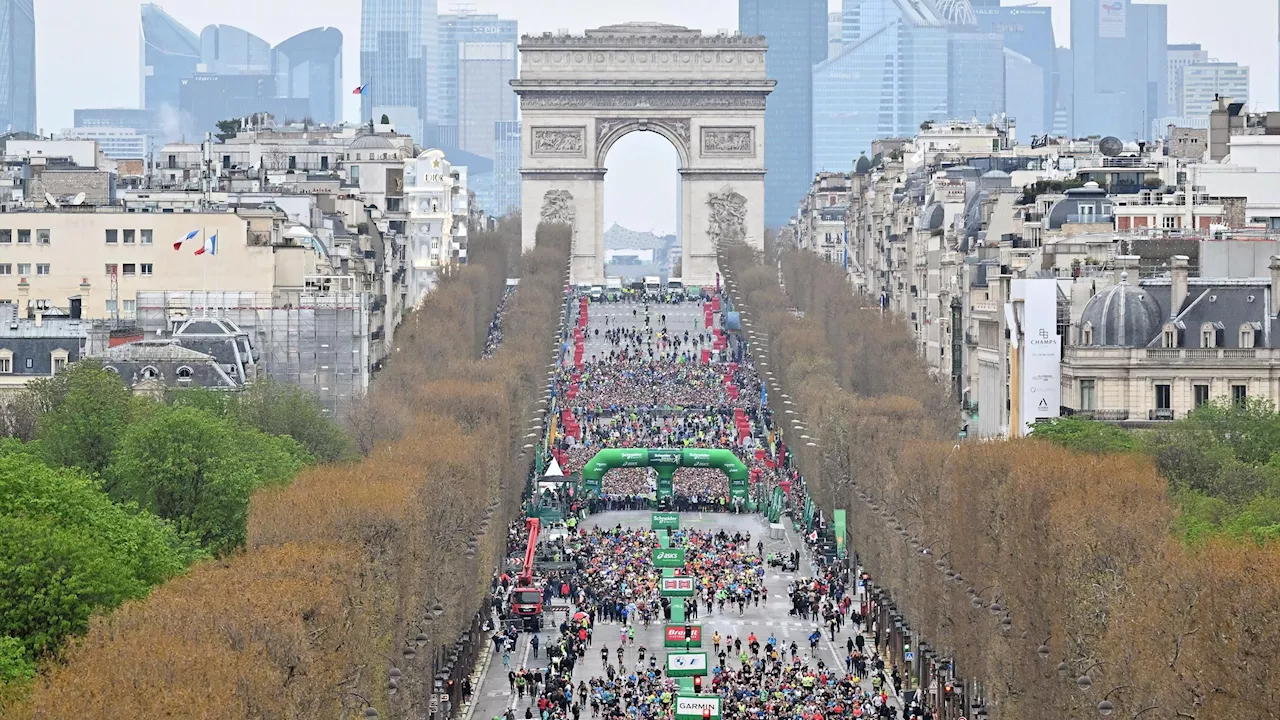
87 53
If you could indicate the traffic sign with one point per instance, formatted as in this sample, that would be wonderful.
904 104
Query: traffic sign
686 665
665 520
668 557
675 636
677 587
910 655
694 707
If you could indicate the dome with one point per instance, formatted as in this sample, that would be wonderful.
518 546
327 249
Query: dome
863 166
370 142
933 216
1121 316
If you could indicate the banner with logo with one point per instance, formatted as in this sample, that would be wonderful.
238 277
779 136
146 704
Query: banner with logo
1113 18
1041 377
668 557
675 636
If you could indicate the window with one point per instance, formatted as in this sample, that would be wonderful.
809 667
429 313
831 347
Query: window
42 268
1239 394
293 162
24 269
1086 335
324 162
1163 396
1085 211
173 162
129 237
58 360
184 374
6 362
1087 390
1170 337
42 237
111 307
113 236
1201 394
112 269
24 237
1246 336
130 269
226 162
1170 222
130 307
1208 336
6 237
147 236
146 269
355 173
6 269
30 363
150 373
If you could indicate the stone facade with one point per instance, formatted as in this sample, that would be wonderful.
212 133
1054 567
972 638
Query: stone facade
580 94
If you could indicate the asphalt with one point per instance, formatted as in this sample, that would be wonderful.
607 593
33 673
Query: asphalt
493 696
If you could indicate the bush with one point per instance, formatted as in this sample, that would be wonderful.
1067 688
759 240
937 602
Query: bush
1086 435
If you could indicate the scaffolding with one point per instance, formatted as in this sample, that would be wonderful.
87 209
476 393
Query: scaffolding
317 338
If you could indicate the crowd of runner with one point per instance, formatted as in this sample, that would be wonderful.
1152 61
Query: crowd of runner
494 339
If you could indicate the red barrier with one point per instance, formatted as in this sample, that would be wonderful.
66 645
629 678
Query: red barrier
706 357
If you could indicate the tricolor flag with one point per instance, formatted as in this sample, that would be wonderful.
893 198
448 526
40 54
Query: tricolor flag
360 90
189 236
210 246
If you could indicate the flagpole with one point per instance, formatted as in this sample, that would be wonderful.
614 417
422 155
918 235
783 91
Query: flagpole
204 272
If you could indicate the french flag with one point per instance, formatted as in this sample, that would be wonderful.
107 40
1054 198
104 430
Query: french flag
210 246
189 236
360 90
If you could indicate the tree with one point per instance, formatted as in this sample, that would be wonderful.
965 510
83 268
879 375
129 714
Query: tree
1085 435
276 409
88 410
227 129
197 470
385 120
15 665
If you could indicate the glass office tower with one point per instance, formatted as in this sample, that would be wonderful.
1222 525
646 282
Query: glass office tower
797 35
309 66
17 66
398 65
170 54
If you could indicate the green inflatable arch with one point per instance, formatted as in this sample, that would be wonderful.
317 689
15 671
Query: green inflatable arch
666 462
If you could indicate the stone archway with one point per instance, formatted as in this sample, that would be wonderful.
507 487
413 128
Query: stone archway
579 94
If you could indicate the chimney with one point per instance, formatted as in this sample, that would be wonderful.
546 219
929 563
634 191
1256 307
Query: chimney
39 317
1275 281
1179 272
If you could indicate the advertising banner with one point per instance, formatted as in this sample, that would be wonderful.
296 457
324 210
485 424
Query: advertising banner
838 526
1041 375
693 707
668 557
677 587
665 520
1112 18
675 636
686 665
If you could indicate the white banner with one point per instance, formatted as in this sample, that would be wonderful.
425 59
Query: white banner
693 706
1112 19
686 661
1041 376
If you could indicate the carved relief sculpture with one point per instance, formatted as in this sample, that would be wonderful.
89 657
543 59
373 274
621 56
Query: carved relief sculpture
728 141
559 141
557 207
728 217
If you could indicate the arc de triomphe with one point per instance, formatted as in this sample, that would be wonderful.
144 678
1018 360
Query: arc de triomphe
706 94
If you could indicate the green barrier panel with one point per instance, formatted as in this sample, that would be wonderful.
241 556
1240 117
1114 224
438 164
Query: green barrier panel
666 461
677 611
838 524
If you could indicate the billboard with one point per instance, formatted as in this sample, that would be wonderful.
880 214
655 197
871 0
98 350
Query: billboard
696 707
668 557
686 664
1112 18
675 636
1041 372
677 587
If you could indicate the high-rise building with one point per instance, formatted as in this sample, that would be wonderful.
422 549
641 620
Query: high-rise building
170 54
890 77
1024 93
489 44
506 169
975 67
1028 32
1064 87
399 65
1179 57
1203 83
835 34
1121 76
228 50
17 66
309 66
797 34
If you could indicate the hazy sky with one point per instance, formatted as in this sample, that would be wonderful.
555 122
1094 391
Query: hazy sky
87 56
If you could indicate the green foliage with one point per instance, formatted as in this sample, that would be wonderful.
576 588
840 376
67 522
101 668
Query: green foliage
1086 435
15 666
385 120
67 551
189 466
276 409
88 409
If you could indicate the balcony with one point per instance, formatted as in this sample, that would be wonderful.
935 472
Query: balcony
1091 219
1102 415
1163 414
1202 354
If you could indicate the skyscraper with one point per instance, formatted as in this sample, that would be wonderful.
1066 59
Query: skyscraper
890 77
399 65
488 43
1121 75
1025 93
975 67
797 35
170 54
1203 82
1181 56
1028 32
309 66
17 65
